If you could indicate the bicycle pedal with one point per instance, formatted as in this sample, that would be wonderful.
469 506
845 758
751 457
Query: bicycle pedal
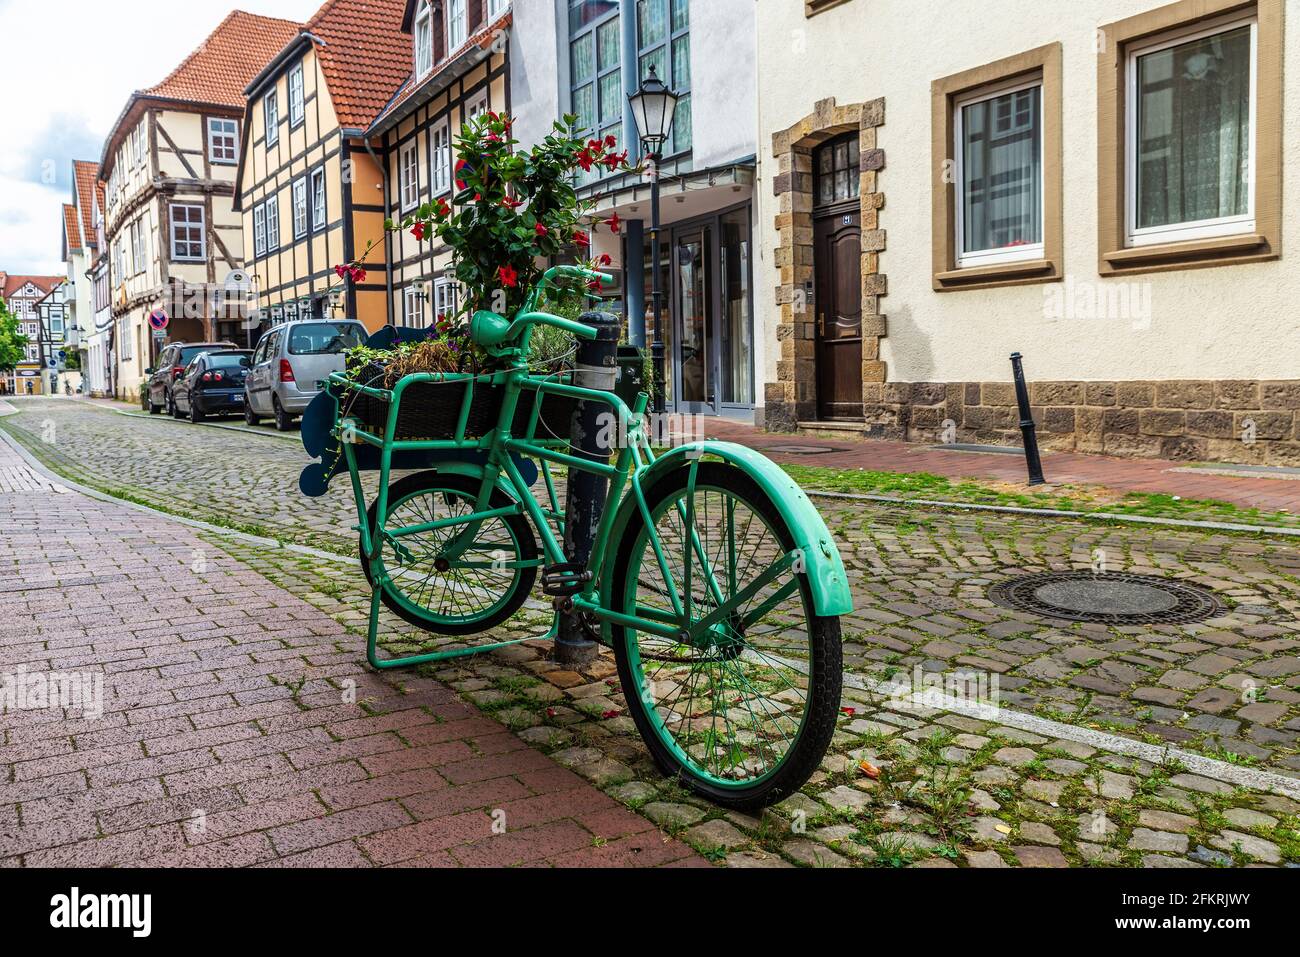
561 581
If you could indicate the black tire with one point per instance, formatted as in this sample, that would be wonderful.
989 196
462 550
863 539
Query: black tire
155 409
175 409
519 528
196 415
825 655
283 420
250 417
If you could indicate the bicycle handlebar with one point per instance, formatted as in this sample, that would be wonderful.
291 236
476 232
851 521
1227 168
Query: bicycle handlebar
491 330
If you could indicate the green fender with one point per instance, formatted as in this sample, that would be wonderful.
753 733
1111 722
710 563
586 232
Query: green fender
826 576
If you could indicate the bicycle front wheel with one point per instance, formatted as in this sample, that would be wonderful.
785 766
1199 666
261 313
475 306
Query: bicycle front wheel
740 706
457 579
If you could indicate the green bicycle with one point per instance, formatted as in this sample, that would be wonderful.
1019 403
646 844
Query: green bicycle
712 576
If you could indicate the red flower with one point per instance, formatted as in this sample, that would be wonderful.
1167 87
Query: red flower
604 259
341 270
418 231
594 285
613 223
460 165
511 203
509 276
584 160
611 714
478 197
493 138
443 208
540 230
358 274
611 140
580 238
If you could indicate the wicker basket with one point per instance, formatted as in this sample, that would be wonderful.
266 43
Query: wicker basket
429 410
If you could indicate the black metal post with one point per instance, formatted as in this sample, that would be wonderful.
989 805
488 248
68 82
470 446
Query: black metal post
1027 430
656 294
592 438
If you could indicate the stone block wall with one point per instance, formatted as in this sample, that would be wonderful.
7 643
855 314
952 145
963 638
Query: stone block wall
1240 421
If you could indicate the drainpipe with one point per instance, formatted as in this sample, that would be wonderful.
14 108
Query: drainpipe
388 247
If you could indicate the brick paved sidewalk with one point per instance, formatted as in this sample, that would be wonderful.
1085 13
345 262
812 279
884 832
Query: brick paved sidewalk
240 725
1154 476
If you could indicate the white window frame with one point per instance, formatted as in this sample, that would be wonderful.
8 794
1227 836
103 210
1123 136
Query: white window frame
259 230
203 231
319 201
141 139
423 44
271 114
217 134
408 175
297 96
497 7
446 297
300 221
273 223
137 247
413 306
440 156
457 24
123 340
988 257
1199 229
477 106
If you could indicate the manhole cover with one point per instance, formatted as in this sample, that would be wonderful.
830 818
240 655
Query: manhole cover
1110 598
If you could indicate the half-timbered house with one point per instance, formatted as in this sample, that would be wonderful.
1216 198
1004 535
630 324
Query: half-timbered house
310 183
169 162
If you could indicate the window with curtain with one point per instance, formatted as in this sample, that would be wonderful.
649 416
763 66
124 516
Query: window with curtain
1190 135
664 42
999 137
595 61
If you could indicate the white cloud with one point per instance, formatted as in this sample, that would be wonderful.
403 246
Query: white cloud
70 66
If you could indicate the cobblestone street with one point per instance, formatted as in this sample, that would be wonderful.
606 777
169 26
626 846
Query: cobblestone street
1163 745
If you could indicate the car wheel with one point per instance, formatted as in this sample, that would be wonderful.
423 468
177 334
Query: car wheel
195 415
153 409
250 417
171 405
176 410
283 420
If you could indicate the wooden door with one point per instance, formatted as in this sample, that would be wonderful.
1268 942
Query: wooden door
837 251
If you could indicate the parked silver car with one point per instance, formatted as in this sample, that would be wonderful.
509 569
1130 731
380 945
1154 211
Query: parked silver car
290 363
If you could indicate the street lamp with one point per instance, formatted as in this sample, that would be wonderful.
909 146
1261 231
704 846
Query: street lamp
653 106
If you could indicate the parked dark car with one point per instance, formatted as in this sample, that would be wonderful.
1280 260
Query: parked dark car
212 384
171 362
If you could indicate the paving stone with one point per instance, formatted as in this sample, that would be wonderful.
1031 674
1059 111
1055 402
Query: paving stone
1166 821
1046 791
1194 782
755 859
800 803
984 859
813 854
1248 844
1073 748
1040 857
994 776
836 832
1145 839
1065 766
844 797
668 814
1096 853
907 840
983 801
633 792
1244 817
1117 787
716 833
1161 860
990 830
1205 855
1038 833
1015 757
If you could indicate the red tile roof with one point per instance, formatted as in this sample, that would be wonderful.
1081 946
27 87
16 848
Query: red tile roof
87 179
45 283
227 60
364 55
72 227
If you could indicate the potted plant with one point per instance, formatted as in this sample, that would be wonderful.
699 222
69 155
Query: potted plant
513 210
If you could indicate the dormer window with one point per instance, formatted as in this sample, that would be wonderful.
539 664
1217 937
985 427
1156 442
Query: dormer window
457 24
423 39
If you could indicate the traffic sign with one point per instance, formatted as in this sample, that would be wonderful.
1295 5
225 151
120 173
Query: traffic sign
158 320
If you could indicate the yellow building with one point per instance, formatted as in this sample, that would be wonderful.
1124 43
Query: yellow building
172 237
310 186
457 65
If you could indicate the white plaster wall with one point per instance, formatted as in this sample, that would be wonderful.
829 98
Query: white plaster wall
1229 322
724 88
535 80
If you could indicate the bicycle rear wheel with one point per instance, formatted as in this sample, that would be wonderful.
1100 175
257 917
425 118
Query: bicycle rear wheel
743 712
448 580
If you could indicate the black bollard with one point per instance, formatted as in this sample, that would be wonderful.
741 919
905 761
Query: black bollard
591 438
1027 429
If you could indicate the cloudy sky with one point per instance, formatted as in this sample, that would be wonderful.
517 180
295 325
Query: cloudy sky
69 66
